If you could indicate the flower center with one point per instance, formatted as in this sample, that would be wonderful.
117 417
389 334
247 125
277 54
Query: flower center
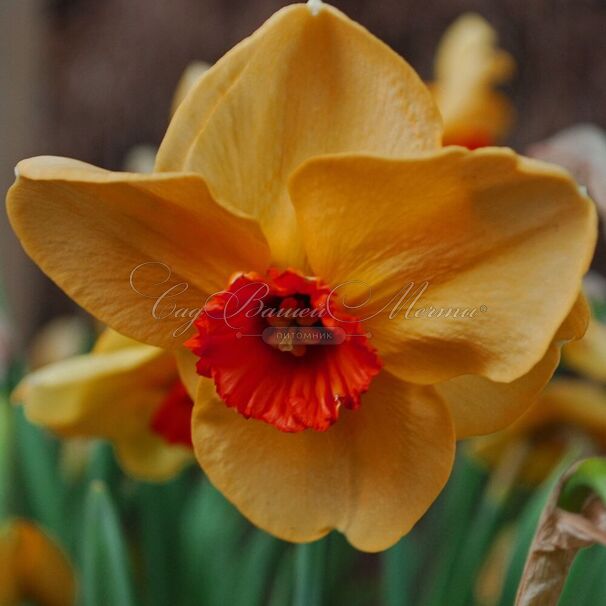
280 349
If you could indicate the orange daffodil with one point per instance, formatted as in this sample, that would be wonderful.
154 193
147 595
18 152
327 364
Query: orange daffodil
468 67
123 391
33 568
309 159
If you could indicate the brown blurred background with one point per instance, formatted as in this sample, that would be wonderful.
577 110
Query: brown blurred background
91 78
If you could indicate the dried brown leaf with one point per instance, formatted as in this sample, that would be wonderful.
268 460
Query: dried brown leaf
559 536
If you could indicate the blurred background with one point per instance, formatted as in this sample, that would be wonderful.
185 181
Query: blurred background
90 79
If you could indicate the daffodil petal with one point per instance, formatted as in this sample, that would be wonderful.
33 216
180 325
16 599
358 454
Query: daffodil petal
468 67
110 340
576 323
33 567
188 81
588 355
186 365
195 108
487 231
577 403
469 54
86 395
371 475
117 242
480 406
150 458
109 395
315 84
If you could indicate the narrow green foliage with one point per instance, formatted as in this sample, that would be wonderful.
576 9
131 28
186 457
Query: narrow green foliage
256 568
6 447
400 565
454 516
106 577
589 478
36 457
156 510
585 585
310 560
211 536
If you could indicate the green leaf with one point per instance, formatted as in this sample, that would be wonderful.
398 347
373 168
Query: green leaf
309 573
589 477
212 531
38 476
469 560
585 584
106 577
157 508
102 464
258 561
484 526
599 310
6 446
400 565
282 586
458 507
341 557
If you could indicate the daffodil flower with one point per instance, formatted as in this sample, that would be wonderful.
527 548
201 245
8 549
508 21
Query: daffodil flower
308 161
468 68
33 568
123 391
